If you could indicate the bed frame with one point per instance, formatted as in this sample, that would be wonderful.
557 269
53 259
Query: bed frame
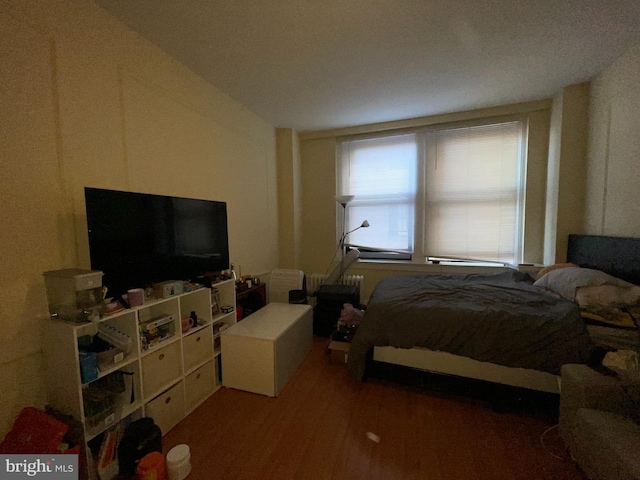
616 256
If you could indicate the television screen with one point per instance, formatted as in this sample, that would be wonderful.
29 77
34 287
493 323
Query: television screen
139 239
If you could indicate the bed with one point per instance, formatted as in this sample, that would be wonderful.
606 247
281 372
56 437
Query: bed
505 328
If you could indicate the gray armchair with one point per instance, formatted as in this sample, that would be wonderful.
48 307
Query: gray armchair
600 421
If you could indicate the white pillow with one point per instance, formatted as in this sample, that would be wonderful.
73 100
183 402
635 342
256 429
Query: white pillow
565 281
596 296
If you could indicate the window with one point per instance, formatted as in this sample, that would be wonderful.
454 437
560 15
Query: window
449 193
381 173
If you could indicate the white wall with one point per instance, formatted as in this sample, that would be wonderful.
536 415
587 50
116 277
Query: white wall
613 176
88 102
290 219
566 173
553 180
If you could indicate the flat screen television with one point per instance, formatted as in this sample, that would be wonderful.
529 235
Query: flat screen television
138 239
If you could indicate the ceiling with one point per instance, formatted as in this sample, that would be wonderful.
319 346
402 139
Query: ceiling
314 65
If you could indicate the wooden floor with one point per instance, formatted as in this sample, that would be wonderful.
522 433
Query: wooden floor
325 425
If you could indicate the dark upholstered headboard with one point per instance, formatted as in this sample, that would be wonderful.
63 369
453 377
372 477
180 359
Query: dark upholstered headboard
617 256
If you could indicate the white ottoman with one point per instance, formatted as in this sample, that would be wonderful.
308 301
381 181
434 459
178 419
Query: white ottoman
262 352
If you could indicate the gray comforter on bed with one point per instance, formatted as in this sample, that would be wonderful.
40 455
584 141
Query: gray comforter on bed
500 318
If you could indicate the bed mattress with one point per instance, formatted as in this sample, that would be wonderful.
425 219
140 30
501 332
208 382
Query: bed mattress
500 318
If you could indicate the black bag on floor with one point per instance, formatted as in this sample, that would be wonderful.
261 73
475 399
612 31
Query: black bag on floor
140 437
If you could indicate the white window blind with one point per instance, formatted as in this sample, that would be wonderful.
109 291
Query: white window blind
473 193
462 188
381 174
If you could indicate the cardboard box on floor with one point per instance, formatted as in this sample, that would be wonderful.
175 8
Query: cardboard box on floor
339 351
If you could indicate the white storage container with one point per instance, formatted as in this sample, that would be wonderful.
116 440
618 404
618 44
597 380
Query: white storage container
161 368
179 462
167 409
262 352
197 347
199 385
74 294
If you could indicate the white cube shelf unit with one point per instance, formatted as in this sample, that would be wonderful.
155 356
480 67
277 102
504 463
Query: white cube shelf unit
162 379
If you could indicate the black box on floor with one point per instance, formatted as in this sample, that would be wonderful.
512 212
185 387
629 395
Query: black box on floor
329 302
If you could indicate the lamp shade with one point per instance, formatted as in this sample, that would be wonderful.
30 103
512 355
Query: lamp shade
343 199
364 224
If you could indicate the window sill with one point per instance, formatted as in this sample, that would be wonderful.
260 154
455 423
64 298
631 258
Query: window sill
429 268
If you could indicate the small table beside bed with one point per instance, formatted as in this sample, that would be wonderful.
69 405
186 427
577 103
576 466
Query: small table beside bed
507 328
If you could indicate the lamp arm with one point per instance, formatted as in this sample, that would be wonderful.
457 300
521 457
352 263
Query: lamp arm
364 224
342 244
351 231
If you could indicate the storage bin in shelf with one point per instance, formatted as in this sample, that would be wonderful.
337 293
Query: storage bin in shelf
199 384
135 411
168 408
97 422
105 369
111 398
99 355
159 345
114 336
197 349
92 367
161 368
124 322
